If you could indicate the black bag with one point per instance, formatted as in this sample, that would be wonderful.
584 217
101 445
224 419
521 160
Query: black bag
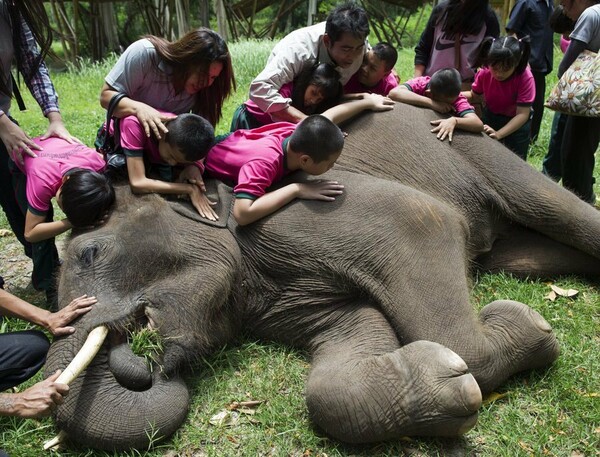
110 145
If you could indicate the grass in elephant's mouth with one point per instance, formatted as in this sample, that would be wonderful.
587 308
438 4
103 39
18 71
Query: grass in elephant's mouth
146 343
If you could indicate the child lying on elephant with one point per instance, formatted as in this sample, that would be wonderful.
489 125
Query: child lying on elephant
71 172
441 93
187 141
255 159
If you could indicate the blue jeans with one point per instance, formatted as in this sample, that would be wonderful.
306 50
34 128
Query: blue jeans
552 164
518 141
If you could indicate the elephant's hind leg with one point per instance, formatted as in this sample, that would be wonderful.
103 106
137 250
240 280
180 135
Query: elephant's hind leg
364 388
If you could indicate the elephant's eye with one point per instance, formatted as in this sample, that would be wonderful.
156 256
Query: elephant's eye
87 255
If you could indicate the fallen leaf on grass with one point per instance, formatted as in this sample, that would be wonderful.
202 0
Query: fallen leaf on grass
245 404
563 292
525 446
5 232
492 397
225 419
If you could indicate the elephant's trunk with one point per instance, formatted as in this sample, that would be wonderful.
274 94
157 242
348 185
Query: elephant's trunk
101 413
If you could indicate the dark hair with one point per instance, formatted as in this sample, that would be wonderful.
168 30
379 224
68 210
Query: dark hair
34 14
191 134
445 82
559 22
506 52
86 196
327 79
193 52
317 137
465 17
387 53
347 18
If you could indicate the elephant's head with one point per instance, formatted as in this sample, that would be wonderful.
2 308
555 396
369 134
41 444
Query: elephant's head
147 266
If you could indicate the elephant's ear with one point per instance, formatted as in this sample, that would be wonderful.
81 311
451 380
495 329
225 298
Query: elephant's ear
216 191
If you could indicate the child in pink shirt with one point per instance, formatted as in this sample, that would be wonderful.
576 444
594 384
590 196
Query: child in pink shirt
441 93
314 91
506 84
71 172
188 139
253 160
375 76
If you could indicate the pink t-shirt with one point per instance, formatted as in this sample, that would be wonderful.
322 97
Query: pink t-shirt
265 118
134 140
253 159
420 84
564 43
45 172
503 97
383 87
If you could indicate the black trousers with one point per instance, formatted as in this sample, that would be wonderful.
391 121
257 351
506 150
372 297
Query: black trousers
538 104
22 354
580 141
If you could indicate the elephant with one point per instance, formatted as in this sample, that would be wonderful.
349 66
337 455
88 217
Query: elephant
374 286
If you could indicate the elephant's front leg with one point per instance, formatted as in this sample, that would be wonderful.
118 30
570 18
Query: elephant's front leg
363 387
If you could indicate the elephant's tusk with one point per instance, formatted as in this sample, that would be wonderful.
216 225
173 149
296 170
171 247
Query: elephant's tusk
56 441
79 363
85 355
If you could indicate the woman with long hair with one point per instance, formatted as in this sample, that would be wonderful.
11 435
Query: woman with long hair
453 32
25 39
193 74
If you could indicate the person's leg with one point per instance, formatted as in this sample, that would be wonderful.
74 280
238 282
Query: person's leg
538 105
580 141
22 354
9 202
44 253
518 141
552 166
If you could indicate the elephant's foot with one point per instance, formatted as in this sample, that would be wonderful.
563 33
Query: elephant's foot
520 338
420 389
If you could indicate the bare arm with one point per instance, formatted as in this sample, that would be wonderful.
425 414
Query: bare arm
151 119
511 126
419 70
246 211
140 184
404 95
37 229
56 323
345 111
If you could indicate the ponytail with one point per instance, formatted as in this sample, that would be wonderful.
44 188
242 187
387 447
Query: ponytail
506 52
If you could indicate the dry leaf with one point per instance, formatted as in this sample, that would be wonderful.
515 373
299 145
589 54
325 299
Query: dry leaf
5 232
525 446
551 296
493 396
225 418
577 453
563 292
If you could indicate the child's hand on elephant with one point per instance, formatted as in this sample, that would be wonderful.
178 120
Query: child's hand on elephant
444 128
379 102
192 174
202 204
491 132
320 190
57 323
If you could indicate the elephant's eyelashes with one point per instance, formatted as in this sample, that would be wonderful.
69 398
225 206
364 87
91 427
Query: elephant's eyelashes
87 256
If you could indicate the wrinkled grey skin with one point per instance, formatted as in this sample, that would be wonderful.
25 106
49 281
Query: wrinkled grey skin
374 285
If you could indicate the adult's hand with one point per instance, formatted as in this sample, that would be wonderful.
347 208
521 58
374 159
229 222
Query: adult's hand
56 128
40 400
58 322
16 141
152 120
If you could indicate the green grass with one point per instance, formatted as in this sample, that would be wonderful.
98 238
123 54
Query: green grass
554 412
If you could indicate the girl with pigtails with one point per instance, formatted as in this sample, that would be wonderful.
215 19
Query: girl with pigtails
505 84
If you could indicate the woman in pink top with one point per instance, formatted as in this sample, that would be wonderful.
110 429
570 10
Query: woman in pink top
506 84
